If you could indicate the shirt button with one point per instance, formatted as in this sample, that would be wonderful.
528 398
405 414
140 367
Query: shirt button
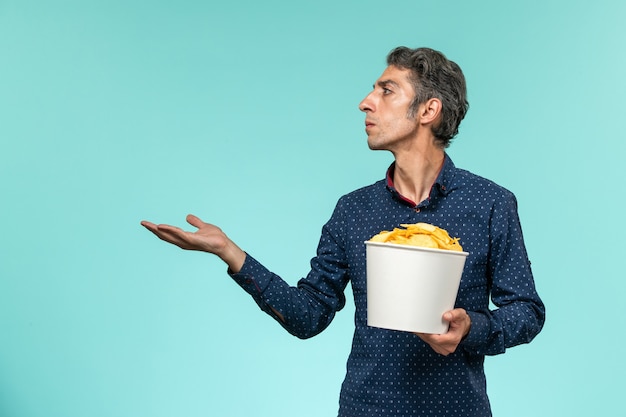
248 281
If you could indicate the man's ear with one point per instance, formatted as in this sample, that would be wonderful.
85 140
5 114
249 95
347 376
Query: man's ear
430 111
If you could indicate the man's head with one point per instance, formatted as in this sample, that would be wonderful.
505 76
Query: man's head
434 76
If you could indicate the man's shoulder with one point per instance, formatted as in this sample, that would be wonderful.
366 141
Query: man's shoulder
467 180
364 195
366 191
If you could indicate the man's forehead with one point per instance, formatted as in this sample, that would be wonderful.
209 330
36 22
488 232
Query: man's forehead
395 76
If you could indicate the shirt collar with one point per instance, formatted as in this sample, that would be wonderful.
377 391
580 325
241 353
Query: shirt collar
443 183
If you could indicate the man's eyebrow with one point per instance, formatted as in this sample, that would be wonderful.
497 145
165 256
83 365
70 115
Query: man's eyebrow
385 83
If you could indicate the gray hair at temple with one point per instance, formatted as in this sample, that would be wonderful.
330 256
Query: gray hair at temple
435 76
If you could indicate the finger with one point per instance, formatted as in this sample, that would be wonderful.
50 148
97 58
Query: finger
169 228
148 225
156 228
450 317
444 352
194 221
454 315
172 235
436 342
152 228
164 235
431 339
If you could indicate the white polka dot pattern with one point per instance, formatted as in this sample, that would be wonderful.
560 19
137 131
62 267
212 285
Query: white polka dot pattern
392 373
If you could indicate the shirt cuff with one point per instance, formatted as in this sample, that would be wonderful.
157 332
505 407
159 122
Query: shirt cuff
479 331
253 277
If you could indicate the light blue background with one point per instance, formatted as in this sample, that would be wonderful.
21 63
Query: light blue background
245 113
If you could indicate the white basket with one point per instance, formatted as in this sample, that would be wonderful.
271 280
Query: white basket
410 287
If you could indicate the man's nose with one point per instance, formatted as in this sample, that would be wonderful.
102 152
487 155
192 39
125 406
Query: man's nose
367 104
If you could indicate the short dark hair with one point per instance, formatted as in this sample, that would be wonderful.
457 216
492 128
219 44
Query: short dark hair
434 76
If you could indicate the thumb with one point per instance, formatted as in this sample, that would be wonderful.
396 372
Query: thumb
194 221
453 315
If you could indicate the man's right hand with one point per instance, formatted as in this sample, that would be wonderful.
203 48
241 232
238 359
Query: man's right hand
208 238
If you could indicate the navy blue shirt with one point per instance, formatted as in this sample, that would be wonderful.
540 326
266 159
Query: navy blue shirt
394 373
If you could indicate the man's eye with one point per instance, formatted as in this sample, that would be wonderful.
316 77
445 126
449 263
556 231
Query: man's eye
386 91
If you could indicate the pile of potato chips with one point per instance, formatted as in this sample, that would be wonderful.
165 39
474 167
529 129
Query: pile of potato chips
419 234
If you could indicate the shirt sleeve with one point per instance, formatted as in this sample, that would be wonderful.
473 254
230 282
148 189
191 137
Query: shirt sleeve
520 313
309 307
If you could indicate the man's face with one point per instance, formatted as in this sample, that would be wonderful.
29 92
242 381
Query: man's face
387 120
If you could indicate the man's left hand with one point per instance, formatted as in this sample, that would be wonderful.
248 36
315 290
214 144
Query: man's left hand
446 343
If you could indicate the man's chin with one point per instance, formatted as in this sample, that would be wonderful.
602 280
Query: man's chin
375 146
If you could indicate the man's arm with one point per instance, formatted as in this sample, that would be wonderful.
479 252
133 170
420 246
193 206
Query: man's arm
519 314
304 310
208 238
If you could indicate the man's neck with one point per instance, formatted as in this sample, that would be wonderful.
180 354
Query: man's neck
416 172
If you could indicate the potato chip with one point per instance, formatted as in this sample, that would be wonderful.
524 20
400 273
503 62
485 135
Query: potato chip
419 234
424 241
381 237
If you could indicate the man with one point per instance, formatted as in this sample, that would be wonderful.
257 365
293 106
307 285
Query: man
413 111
